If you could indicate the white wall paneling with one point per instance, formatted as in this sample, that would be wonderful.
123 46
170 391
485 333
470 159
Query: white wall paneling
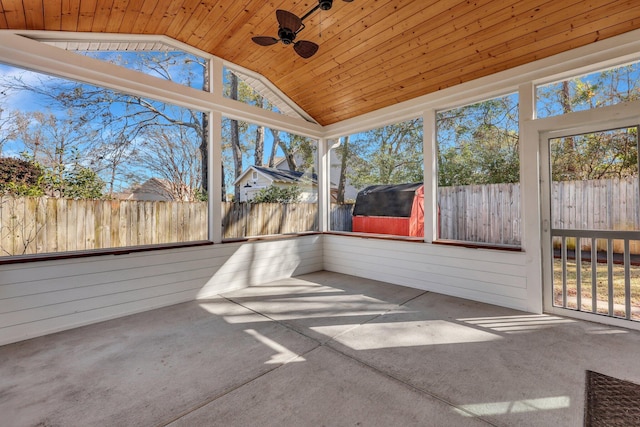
39 298
486 275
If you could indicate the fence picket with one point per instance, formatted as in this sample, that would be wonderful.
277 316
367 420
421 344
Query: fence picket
488 213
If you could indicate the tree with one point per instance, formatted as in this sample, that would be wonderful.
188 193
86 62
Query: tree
113 126
478 144
166 153
597 155
343 153
20 177
82 183
387 155
274 194
235 138
7 126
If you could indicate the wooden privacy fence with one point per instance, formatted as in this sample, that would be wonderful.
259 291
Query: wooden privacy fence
478 213
491 213
259 219
603 204
30 225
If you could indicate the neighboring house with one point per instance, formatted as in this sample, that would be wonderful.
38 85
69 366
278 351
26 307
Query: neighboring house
255 178
350 192
153 189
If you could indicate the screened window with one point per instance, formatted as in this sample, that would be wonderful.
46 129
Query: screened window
84 167
149 57
252 91
376 181
479 172
270 182
603 88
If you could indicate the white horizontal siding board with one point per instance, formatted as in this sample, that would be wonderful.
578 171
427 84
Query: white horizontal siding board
459 272
105 263
97 279
243 279
413 278
16 273
378 265
88 304
42 299
439 260
445 289
141 273
48 326
103 287
487 255
483 275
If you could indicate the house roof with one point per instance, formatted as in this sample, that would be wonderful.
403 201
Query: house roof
373 53
280 175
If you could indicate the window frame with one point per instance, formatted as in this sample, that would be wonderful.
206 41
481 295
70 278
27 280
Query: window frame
21 49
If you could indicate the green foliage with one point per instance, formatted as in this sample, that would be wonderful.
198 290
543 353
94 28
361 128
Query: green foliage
200 195
598 155
20 177
478 144
274 194
387 155
82 183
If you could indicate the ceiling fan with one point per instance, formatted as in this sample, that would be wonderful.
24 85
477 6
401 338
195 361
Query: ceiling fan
289 27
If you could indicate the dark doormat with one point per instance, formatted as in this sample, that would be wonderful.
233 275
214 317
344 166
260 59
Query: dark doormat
611 402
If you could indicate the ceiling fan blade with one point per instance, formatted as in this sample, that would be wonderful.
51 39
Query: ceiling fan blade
288 20
264 40
305 48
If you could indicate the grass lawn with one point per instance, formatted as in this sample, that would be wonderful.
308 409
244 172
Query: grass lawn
602 287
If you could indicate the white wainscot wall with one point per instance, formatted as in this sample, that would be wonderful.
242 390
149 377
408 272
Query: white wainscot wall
485 275
39 298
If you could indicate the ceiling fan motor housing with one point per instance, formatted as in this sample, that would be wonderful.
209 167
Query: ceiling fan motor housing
325 4
286 35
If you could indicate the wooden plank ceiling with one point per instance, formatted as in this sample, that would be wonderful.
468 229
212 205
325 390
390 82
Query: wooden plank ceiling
373 53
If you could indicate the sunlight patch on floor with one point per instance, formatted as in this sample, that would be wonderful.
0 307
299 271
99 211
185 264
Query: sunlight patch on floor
371 336
232 313
514 324
283 355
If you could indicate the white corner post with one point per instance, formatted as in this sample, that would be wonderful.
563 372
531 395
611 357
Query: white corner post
430 157
324 185
530 196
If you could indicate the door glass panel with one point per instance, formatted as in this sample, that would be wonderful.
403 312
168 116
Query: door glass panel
595 217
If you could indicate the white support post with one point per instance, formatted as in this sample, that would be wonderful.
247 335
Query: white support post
216 76
430 155
215 176
530 196
324 185
529 169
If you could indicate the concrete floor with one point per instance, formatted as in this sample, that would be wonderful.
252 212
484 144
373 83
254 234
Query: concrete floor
322 349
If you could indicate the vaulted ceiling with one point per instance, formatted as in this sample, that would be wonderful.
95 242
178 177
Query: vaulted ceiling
373 53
